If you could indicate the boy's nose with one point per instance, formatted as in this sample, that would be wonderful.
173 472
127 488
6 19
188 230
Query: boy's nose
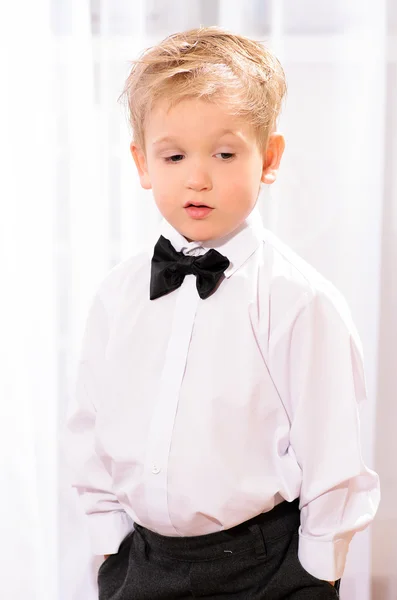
198 180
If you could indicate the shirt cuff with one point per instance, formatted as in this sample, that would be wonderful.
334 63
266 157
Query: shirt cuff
323 559
107 530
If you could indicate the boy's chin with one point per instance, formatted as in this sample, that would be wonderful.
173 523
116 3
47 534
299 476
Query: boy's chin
206 232
197 231
203 230
202 234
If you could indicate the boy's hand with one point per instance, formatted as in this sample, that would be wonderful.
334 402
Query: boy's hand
106 555
331 582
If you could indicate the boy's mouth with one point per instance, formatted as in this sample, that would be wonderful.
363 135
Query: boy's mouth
198 211
196 204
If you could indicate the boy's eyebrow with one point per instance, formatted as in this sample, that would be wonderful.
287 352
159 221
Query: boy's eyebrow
166 138
221 133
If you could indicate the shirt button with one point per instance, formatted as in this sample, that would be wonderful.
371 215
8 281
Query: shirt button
155 469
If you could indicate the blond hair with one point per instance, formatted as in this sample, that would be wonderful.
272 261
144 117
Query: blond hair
209 63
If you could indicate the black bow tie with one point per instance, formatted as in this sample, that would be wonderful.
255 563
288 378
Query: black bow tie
169 268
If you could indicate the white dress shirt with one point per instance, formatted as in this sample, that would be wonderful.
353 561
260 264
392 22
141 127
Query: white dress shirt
191 416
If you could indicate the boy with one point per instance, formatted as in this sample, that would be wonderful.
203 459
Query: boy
214 434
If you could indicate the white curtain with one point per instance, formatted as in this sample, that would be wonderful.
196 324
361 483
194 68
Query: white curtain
29 332
71 207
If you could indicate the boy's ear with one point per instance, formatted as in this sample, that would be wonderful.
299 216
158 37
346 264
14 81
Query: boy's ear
274 152
141 165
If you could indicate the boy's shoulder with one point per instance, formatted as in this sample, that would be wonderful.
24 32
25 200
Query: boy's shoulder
287 264
293 283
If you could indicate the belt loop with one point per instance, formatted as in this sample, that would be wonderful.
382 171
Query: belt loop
260 545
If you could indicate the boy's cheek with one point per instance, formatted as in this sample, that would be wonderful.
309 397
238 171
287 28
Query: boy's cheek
164 183
169 203
238 194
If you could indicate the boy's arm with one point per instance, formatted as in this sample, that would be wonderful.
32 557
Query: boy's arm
317 367
107 521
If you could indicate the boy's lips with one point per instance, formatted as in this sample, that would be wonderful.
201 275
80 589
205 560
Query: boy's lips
196 203
198 212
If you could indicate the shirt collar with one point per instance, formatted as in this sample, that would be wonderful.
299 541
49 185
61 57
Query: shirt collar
237 246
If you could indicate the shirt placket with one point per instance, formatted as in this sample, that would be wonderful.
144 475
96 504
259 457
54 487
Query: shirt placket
162 422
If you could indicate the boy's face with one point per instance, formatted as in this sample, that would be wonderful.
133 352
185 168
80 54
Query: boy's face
198 153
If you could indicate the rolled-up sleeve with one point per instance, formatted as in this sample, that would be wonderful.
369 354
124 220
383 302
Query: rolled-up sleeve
318 368
107 521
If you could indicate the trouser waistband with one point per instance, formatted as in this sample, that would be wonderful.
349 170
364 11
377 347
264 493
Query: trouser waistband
282 519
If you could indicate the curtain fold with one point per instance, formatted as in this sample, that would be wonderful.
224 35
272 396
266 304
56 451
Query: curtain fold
28 300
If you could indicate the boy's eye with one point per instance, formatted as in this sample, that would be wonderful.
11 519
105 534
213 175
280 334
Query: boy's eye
225 155
174 158
178 157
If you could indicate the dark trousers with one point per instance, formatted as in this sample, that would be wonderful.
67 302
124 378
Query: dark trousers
255 560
